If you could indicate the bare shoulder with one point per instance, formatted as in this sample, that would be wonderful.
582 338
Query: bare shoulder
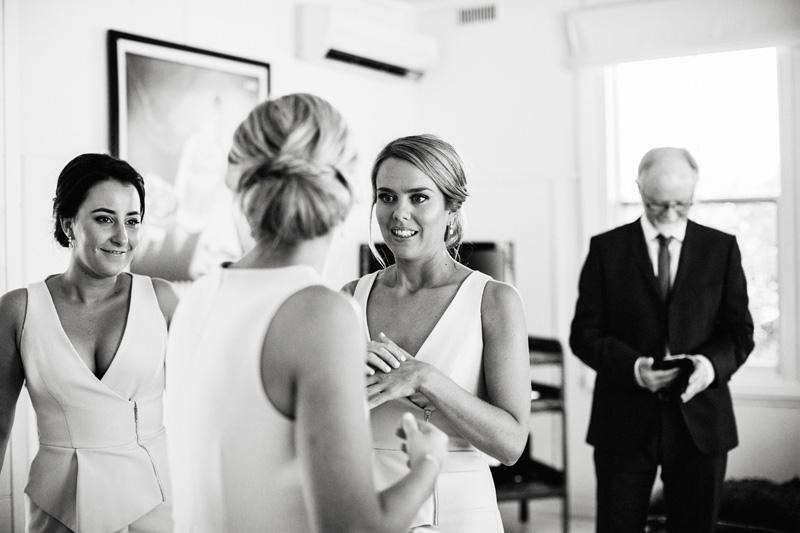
310 344
313 341
164 289
501 308
316 317
13 306
167 297
499 295
322 306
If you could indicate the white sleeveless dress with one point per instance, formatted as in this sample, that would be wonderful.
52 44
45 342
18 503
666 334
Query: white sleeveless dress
464 500
234 463
102 458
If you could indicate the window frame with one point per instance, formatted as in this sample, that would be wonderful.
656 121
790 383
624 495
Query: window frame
595 84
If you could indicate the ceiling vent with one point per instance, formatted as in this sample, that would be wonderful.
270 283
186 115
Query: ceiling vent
332 33
476 14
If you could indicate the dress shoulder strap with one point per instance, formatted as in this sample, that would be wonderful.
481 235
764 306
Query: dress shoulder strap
364 286
475 285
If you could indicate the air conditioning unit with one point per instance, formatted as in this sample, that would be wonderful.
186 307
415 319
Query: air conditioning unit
328 32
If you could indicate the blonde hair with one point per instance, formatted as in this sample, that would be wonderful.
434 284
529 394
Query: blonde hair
295 154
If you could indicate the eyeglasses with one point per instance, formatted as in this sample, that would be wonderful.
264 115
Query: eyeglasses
663 207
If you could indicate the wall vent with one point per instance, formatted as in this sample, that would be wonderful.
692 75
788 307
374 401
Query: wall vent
476 14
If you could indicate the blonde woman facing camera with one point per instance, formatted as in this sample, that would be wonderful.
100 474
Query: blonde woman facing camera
89 344
266 401
449 344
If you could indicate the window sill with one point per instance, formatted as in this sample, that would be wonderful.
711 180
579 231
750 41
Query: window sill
772 391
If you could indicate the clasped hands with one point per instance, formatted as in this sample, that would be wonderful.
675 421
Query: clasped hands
655 380
391 372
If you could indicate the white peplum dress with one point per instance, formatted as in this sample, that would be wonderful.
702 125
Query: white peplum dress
464 500
102 458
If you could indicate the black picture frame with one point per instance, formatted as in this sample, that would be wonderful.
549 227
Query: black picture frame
172 113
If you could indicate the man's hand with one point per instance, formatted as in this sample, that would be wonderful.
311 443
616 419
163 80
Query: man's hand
654 380
701 377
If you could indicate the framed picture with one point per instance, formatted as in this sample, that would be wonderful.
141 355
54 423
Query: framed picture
173 112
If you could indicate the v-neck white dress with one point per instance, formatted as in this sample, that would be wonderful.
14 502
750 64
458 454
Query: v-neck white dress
464 500
102 458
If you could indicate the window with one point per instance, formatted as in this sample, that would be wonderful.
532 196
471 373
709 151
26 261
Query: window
723 108
723 83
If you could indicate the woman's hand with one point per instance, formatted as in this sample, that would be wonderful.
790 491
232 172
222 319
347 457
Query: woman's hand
399 382
422 442
384 355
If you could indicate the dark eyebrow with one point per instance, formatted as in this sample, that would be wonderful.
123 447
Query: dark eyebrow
111 212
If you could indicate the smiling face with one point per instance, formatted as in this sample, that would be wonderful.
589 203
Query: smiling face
411 210
105 230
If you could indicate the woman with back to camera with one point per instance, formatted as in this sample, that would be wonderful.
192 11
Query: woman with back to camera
448 343
89 344
266 407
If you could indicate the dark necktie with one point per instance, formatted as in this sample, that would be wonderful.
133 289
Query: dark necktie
663 265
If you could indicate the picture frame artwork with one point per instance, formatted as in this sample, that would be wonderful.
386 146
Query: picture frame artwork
173 112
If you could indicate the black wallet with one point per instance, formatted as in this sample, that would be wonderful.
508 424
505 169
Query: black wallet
666 364
687 367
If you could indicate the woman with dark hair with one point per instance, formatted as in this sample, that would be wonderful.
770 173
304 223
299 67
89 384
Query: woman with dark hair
89 344
448 344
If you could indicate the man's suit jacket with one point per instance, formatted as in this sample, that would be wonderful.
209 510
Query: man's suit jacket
620 316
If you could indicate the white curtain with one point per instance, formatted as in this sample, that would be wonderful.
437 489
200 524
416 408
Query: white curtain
654 29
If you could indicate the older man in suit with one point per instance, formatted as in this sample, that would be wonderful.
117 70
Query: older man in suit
662 317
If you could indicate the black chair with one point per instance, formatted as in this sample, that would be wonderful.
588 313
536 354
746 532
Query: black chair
530 478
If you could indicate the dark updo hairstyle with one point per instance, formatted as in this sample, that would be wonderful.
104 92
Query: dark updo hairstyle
78 178
439 161
295 155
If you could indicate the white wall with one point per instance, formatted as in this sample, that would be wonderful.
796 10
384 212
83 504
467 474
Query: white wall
502 95
506 98
62 103
64 88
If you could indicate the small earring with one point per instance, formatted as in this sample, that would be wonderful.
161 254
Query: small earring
71 242
451 228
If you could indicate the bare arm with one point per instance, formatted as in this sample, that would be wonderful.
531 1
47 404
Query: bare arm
12 376
316 338
499 425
